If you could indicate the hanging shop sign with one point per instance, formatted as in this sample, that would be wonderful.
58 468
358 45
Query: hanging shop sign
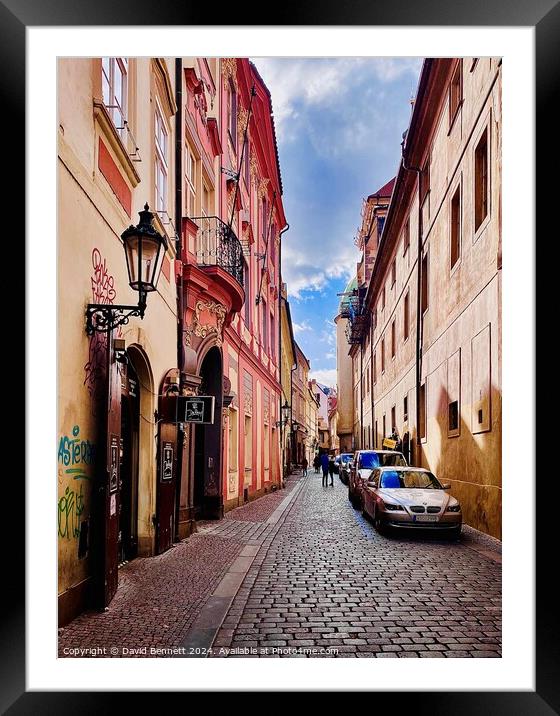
167 461
388 443
195 409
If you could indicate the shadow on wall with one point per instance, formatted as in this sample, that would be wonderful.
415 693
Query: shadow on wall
471 463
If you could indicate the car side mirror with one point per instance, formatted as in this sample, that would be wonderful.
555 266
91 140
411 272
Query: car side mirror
446 486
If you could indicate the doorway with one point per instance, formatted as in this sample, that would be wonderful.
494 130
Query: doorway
127 541
207 488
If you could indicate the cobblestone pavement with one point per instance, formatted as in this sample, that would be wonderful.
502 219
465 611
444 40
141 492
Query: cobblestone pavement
327 581
159 598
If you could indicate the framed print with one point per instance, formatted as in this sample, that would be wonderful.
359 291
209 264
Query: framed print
162 269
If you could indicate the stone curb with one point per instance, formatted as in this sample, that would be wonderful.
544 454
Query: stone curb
202 633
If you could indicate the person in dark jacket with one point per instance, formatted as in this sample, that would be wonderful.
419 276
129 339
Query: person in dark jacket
304 466
325 468
317 462
331 469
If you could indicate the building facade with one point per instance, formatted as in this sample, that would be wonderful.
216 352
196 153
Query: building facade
288 365
194 139
116 135
232 223
432 308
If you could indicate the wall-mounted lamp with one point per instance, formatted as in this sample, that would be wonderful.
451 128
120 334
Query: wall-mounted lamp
144 249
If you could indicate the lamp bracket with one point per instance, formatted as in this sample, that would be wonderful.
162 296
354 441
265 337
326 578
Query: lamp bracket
103 317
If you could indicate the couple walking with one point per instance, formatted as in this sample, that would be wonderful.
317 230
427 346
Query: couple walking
327 465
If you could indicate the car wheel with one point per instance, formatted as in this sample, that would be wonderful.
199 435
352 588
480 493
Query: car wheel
378 523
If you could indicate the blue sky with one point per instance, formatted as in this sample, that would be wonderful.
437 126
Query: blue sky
339 125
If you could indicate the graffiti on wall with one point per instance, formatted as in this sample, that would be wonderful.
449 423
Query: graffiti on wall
103 291
76 455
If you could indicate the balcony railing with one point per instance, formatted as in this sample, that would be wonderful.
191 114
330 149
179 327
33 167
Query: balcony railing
354 310
217 245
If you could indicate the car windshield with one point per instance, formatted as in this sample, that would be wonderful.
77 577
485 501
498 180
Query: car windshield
371 460
346 457
409 479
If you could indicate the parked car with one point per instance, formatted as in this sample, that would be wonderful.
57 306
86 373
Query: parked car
363 462
410 498
341 468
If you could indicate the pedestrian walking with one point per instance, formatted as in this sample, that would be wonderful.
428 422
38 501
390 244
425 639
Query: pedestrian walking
304 466
317 463
331 469
325 468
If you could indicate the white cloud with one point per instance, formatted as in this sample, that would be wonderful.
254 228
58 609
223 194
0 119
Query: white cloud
301 327
327 376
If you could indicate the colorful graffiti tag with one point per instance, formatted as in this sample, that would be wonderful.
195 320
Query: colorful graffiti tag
103 291
75 455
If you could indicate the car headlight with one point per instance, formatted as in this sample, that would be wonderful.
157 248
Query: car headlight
393 508
454 508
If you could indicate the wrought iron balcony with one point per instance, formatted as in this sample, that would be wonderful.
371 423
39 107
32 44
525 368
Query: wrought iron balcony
217 245
358 319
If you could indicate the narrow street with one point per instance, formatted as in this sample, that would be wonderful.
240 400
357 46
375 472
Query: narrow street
301 573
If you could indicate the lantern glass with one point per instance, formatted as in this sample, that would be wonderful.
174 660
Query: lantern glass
144 250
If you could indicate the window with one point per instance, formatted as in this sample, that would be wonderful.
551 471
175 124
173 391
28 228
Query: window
406 238
232 113
272 245
393 272
393 418
406 317
425 292
393 340
382 355
422 425
248 447
114 83
455 92
375 435
481 181
264 217
375 368
190 175
266 454
405 408
246 166
367 380
265 327
384 427
205 200
424 181
161 161
380 225
454 415
455 248
272 337
233 440
247 287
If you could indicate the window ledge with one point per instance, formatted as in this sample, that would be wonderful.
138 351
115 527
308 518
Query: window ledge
101 115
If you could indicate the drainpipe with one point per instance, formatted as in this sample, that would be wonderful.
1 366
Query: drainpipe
179 256
418 295
279 323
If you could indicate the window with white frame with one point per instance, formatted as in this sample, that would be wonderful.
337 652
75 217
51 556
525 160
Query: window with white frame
114 82
161 143
190 176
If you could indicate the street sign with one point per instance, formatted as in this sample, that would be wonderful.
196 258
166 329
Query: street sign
388 443
195 409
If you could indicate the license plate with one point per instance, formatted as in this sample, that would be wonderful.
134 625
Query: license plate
425 518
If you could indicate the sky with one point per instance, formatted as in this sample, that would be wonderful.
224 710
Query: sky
339 125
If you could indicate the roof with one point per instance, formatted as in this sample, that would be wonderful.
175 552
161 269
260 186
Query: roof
257 73
386 189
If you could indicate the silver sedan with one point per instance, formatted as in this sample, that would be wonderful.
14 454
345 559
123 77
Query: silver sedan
410 498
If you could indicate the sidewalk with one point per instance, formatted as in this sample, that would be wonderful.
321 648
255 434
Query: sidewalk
159 598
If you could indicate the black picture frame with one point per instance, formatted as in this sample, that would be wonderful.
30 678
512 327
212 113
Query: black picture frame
544 16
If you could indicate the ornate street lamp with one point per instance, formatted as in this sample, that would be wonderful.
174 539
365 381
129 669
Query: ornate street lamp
144 249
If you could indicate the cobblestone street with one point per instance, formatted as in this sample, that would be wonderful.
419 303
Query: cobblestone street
301 573
329 581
